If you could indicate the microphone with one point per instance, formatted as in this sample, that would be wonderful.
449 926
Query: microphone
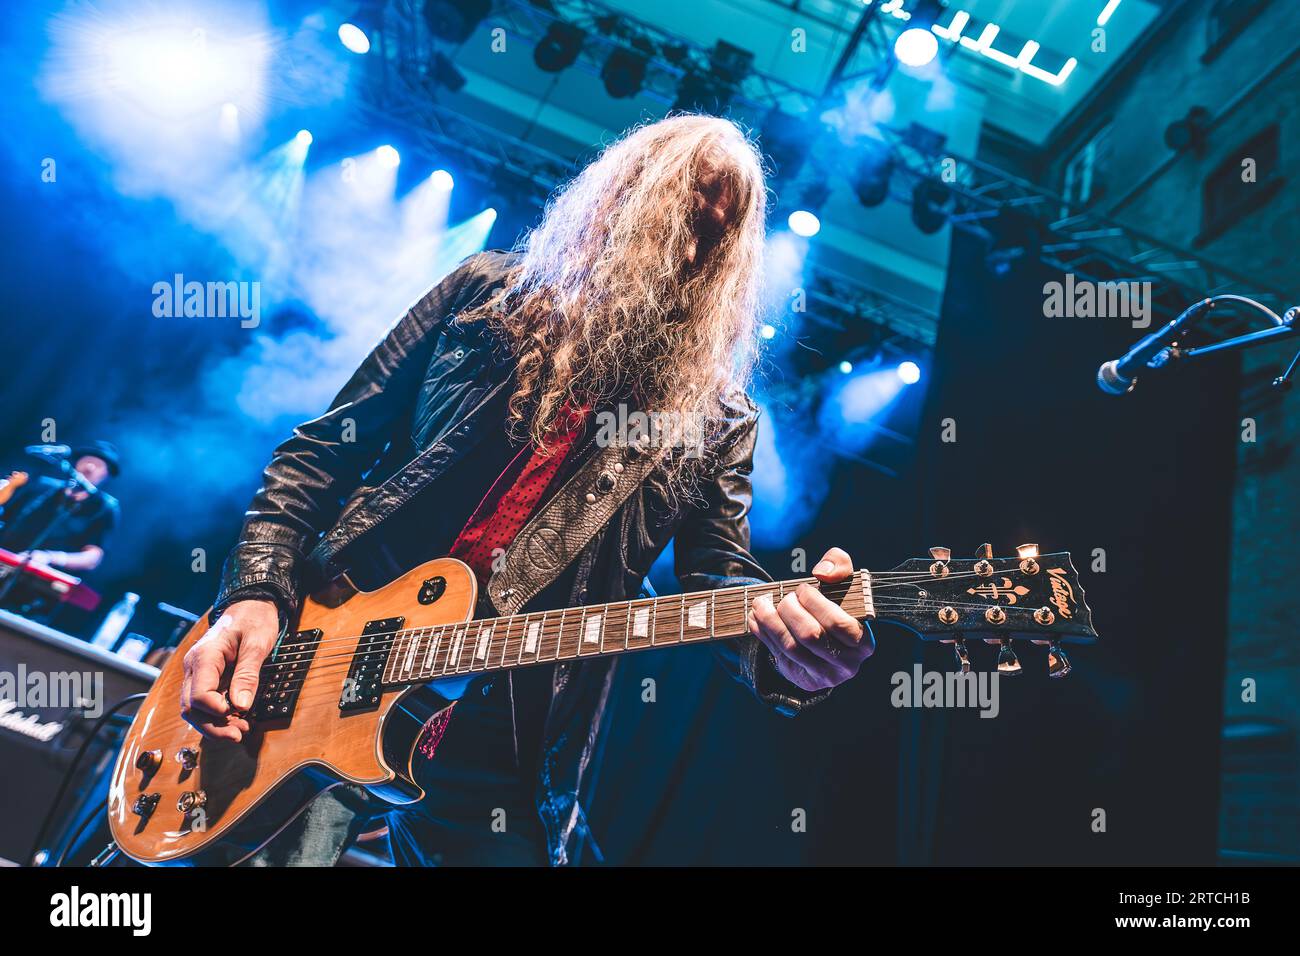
1118 376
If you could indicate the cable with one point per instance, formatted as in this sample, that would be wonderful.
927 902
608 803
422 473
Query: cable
80 829
67 777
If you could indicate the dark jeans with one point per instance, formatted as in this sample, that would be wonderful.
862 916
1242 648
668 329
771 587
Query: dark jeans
478 808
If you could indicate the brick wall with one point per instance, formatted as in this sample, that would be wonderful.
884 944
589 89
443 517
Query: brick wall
1252 82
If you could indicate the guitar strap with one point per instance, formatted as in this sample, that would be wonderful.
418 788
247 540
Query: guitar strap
556 535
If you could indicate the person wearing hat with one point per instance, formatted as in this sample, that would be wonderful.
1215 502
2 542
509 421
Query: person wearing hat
61 523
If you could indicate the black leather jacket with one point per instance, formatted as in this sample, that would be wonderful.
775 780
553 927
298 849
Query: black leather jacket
418 404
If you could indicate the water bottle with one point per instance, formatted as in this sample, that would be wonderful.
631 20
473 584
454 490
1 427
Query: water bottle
115 622
134 647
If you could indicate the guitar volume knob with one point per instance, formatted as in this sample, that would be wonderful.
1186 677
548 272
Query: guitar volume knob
144 804
148 760
191 800
187 757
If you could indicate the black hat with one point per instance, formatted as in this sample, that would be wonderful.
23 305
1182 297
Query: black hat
106 451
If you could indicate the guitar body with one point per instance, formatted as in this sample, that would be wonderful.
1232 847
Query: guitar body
285 761
335 703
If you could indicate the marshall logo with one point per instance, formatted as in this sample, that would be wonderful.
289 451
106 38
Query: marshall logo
1062 593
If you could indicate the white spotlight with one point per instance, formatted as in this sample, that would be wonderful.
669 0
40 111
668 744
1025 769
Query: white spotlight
804 223
909 372
354 38
916 47
388 156
304 137
846 367
441 180
768 331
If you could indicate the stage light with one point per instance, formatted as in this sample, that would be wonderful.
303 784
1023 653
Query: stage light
354 38
872 174
303 138
229 122
909 373
455 20
442 180
767 331
846 367
388 156
559 47
623 73
932 201
786 141
916 46
803 222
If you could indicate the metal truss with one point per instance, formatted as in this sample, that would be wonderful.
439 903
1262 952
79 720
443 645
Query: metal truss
983 198
1070 238
397 91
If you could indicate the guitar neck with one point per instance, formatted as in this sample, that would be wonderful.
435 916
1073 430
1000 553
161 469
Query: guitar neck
420 655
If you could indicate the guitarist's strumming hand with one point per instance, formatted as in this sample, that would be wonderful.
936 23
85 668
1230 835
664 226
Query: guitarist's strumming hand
814 642
228 659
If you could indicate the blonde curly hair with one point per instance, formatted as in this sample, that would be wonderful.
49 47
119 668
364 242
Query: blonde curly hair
642 282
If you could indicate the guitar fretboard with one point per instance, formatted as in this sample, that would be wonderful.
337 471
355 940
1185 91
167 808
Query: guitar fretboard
419 655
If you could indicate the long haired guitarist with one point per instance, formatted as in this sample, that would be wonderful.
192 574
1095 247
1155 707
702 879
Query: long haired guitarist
589 388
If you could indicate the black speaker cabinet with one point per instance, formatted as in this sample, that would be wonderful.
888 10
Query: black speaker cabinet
52 689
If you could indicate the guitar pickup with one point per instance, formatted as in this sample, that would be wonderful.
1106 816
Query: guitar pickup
362 688
284 674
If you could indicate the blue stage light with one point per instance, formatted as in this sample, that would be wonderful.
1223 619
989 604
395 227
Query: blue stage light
804 223
354 38
909 373
768 331
442 180
916 47
304 137
846 367
388 156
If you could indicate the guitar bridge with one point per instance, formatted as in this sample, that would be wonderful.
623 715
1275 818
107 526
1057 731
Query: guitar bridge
362 686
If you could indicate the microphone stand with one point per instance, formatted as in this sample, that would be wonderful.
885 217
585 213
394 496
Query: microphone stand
69 504
1280 326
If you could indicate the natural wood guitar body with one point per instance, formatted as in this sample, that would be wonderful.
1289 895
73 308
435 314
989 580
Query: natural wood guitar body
369 747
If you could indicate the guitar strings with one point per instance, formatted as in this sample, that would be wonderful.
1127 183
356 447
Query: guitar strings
469 663
727 594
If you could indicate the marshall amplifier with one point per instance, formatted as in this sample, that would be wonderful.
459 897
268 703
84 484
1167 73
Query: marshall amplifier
52 689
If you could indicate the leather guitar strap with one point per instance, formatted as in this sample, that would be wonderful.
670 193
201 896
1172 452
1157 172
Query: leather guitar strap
556 535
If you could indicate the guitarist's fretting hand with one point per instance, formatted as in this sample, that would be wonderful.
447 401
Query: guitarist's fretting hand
232 651
814 642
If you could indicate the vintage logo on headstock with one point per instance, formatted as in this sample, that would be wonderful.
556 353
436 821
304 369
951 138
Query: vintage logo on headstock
1062 592
998 591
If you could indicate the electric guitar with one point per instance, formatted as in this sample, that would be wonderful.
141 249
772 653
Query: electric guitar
334 702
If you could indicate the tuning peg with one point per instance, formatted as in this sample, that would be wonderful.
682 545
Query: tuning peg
984 551
963 656
1008 663
1058 665
941 554
1027 551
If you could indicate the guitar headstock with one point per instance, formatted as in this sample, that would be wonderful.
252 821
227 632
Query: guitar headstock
1031 596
